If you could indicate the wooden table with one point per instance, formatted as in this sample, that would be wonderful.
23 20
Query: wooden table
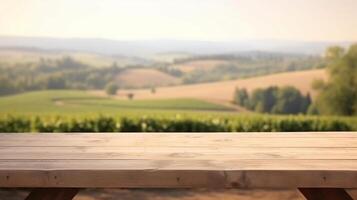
55 166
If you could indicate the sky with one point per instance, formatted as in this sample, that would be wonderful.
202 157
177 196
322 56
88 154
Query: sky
208 20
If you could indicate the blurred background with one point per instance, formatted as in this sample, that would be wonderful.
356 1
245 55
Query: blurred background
177 66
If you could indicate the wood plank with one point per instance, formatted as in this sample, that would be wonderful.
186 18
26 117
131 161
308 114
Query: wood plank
179 160
169 153
148 164
216 135
174 140
153 136
190 173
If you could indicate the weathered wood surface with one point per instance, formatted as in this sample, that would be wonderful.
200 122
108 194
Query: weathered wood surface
182 160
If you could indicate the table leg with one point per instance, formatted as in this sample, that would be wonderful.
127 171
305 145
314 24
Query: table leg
325 194
52 194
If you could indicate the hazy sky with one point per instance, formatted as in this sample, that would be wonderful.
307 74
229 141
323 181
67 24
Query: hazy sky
182 19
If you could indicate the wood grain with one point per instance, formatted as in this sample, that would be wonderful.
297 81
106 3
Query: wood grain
179 160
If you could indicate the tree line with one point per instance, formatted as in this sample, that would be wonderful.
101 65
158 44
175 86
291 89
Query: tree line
275 100
247 64
64 73
338 95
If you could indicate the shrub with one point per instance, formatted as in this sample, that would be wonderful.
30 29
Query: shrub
111 89
255 123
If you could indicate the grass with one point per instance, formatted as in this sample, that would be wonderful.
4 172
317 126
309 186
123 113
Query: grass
79 111
69 102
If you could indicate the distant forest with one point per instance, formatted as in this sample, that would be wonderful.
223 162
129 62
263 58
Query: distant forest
68 73
249 64
65 73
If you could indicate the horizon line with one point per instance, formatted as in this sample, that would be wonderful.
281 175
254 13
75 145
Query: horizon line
181 39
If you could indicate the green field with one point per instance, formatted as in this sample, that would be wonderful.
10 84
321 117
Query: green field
79 111
69 102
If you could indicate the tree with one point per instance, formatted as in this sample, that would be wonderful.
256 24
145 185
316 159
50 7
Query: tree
334 52
96 80
55 82
289 101
5 86
265 99
285 100
111 89
338 96
306 102
153 90
130 96
241 97
312 110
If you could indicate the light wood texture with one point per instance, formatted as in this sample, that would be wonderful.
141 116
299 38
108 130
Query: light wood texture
179 160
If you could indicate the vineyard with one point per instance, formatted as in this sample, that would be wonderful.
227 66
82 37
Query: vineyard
248 123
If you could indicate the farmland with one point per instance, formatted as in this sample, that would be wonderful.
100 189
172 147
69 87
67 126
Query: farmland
222 92
78 111
214 98
67 96
33 55
204 65
72 102
144 78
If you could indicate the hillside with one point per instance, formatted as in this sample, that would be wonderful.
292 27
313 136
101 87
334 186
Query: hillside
204 65
74 102
220 67
170 57
15 55
222 92
37 68
178 68
138 78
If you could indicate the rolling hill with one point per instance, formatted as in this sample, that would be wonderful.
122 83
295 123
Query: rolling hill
138 78
16 55
222 91
204 65
74 102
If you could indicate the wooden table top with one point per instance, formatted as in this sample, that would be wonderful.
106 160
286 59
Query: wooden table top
179 160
